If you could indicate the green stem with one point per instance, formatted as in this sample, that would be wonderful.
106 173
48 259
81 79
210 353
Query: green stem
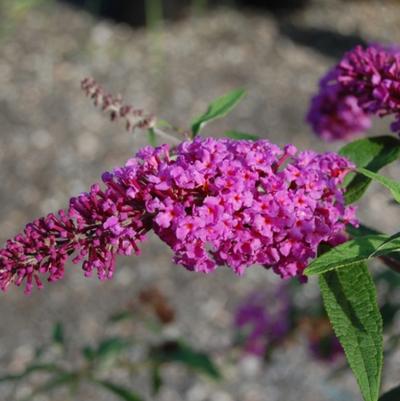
199 6
154 14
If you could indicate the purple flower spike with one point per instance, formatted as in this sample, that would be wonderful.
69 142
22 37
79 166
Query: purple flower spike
365 82
264 318
213 201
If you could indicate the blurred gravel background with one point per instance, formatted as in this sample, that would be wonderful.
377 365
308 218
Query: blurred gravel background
54 143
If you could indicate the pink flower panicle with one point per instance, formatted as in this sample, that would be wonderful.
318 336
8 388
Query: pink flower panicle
365 82
335 115
213 201
97 226
134 118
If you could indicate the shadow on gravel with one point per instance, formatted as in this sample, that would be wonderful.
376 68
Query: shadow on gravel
133 12
329 43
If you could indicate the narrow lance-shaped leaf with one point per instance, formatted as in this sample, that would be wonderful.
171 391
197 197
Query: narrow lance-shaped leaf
357 250
107 351
88 353
217 109
111 348
59 380
371 153
120 391
35 367
163 124
152 138
350 300
390 259
156 379
58 334
241 135
119 316
388 241
179 352
392 185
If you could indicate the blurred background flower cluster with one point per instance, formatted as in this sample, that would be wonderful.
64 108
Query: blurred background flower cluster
151 327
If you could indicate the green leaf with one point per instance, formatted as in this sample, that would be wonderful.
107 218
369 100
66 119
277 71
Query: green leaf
156 379
88 353
350 300
357 250
392 395
119 316
120 391
107 351
392 185
371 153
152 137
173 351
45 367
163 124
59 380
58 334
390 239
111 348
363 230
217 109
241 135
376 152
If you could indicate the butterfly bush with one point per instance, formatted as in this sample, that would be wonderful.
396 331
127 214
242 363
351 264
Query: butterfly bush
364 83
213 201
264 319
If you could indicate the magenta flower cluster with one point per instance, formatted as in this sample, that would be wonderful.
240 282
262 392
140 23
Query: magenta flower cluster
213 201
365 82
263 320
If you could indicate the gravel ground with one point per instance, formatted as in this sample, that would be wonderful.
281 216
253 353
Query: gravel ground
54 144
